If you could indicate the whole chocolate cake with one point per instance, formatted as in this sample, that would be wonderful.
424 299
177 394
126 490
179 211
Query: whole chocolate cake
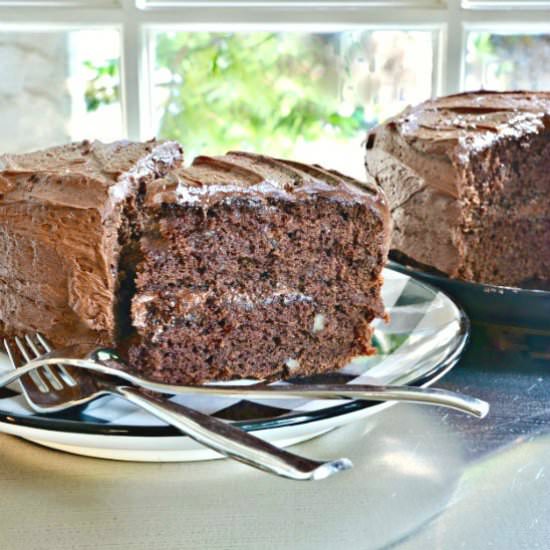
238 266
467 178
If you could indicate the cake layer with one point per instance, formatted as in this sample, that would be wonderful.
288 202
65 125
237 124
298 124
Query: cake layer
277 338
260 248
511 249
461 172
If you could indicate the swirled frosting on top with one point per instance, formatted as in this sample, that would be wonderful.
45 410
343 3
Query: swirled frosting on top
84 174
252 177
434 137
473 121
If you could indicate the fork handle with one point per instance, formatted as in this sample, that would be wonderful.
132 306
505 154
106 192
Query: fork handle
428 396
231 441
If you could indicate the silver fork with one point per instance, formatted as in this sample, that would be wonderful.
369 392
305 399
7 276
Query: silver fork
57 387
107 361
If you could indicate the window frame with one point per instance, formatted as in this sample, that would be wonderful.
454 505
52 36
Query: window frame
448 20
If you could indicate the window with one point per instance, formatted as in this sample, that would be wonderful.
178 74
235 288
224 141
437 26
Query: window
289 93
302 78
58 86
507 61
505 4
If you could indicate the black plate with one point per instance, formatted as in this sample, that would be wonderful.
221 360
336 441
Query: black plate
491 304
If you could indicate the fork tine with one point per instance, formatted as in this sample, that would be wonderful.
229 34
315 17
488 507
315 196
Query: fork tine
34 374
44 342
9 351
61 370
46 370
23 349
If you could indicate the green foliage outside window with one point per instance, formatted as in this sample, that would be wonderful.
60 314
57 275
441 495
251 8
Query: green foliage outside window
258 91
510 62
104 87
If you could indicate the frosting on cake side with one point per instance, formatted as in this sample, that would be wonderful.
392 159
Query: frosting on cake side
60 212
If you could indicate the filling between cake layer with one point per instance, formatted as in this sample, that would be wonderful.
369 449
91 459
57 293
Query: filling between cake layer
259 290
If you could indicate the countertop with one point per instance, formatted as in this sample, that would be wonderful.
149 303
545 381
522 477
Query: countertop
424 478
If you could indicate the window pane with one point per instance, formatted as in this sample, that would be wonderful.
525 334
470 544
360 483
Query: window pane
62 86
507 61
309 96
505 4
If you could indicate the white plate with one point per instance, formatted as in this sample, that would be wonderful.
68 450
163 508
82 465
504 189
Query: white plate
423 340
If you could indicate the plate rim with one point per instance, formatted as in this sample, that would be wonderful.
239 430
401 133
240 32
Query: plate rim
51 422
484 287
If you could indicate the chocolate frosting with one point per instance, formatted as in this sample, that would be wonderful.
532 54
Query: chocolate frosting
60 210
435 136
420 157
256 178
84 175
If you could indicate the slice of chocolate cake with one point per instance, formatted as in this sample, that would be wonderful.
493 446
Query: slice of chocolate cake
255 267
240 266
64 221
467 178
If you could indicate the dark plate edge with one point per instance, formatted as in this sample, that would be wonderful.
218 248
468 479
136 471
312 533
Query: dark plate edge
484 287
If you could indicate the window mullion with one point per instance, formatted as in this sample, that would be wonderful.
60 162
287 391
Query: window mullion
454 48
438 59
131 71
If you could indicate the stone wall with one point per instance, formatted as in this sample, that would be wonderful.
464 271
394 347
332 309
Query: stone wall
35 103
